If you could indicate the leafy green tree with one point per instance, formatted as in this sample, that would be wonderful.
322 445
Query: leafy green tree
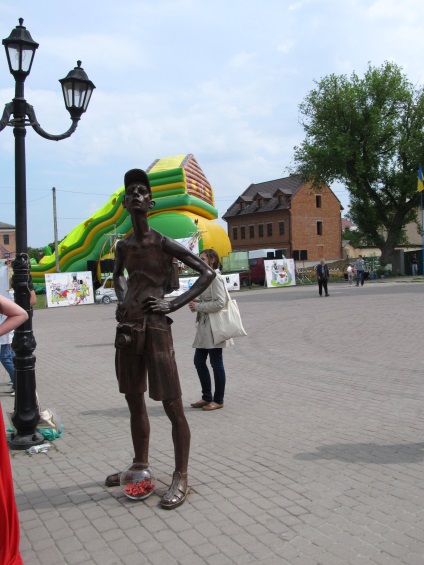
35 253
354 236
367 133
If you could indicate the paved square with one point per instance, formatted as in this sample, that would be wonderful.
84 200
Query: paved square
316 458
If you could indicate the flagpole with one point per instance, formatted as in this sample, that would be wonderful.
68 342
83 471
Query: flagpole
422 230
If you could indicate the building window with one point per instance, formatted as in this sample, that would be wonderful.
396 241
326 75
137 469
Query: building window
260 230
319 228
241 205
235 233
6 239
280 199
251 232
259 202
318 200
281 228
269 230
243 232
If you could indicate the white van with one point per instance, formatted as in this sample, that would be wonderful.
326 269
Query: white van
106 293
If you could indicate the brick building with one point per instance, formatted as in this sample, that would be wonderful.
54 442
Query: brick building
287 214
7 241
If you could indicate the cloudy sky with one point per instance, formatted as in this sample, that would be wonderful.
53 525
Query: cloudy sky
221 79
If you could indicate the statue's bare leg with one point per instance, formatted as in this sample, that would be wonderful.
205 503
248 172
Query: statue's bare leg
140 433
177 492
140 427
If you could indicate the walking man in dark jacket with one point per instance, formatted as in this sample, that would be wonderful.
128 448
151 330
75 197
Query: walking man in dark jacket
322 275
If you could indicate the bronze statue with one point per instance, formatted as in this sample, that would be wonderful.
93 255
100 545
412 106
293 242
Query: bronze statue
143 338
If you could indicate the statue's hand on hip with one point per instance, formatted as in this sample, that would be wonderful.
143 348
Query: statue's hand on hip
156 305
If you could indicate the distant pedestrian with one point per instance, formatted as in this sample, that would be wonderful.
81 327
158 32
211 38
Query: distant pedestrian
323 275
414 265
360 270
350 275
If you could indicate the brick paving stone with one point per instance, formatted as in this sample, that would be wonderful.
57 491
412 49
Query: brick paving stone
316 455
190 560
161 557
135 559
105 557
206 550
361 560
68 545
218 559
192 538
77 557
122 546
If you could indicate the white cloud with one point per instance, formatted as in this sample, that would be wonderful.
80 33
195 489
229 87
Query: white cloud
222 80
242 60
286 46
101 51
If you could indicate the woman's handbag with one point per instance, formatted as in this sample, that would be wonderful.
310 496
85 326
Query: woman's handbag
226 323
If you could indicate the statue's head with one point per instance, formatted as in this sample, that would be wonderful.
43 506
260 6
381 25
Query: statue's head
136 180
137 176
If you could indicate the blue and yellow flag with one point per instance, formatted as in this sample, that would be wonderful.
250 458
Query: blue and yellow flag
420 179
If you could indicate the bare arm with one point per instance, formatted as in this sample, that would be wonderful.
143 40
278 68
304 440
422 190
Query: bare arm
16 315
207 275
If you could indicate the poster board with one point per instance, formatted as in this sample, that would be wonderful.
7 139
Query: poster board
190 243
69 289
232 282
280 272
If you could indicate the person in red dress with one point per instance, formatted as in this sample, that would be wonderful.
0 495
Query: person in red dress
9 529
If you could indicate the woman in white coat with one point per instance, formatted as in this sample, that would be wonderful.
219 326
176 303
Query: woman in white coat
213 299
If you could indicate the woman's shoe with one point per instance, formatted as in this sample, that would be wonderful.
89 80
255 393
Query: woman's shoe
213 406
200 404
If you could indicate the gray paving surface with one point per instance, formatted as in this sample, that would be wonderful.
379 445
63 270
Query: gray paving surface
317 457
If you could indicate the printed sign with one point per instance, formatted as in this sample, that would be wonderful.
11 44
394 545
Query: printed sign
69 289
280 272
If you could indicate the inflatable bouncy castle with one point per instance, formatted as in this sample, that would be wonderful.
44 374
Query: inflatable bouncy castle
184 208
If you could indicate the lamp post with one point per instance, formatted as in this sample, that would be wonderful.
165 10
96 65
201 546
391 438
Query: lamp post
77 90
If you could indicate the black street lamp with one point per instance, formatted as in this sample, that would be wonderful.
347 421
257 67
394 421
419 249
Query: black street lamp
77 90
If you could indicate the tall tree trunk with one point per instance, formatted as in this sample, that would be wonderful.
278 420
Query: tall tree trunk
388 248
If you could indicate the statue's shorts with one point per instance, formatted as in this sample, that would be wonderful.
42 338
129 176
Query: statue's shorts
149 353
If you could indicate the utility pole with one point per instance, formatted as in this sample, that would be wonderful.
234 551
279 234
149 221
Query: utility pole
56 248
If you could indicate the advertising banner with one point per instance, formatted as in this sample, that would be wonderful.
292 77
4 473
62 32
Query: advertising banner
69 289
280 272
232 281
190 243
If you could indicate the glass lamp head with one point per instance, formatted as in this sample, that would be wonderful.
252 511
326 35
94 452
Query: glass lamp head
77 90
20 50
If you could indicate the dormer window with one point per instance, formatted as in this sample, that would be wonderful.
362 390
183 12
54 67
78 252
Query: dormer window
242 205
280 199
259 202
